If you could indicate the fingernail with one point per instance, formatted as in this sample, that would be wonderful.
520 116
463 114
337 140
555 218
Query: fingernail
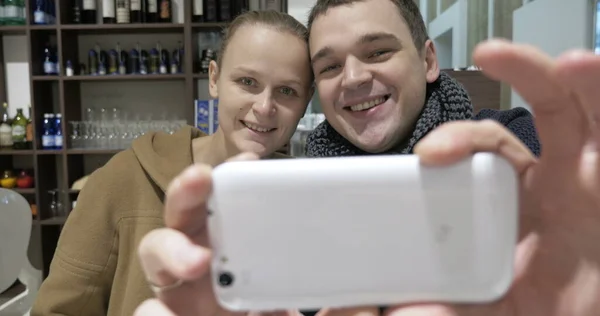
190 255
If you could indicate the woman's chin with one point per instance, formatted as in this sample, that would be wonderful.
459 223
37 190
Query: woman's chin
253 147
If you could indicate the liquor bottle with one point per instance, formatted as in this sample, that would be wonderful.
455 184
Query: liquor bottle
19 130
5 128
49 61
134 60
11 12
224 10
58 135
198 11
102 60
152 13
113 62
48 131
89 12
165 11
108 12
39 13
177 60
123 59
136 13
93 62
123 11
210 10
77 8
144 61
154 61
29 130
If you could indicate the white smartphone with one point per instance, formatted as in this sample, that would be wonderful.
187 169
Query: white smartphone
361 231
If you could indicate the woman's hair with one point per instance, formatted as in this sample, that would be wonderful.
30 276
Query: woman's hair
282 22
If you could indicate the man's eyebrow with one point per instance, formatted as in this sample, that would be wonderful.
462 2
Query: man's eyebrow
378 36
322 53
364 39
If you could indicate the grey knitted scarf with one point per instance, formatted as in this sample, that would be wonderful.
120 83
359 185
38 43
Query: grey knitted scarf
446 100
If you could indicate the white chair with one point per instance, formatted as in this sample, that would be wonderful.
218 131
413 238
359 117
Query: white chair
15 232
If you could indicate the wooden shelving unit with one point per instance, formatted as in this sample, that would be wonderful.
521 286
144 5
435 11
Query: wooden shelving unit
58 169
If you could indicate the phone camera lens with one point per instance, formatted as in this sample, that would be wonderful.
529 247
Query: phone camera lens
225 279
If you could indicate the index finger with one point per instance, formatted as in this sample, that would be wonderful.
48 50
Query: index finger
532 73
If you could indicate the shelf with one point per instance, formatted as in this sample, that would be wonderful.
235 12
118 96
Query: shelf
49 151
45 78
210 26
24 191
124 77
93 151
200 76
13 29
10 152
43 27
137 28
53 221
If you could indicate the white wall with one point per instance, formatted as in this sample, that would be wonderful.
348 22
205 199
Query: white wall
299 9
555 26
17 73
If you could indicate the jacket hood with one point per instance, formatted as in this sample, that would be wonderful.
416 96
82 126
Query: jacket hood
164 156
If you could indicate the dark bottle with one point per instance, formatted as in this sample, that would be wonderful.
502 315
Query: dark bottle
152 12
165 11
144 61
134 60
113 62
154 61
102 60
88 13
198 11
224 10
136 12
238 7
93 62
39 12
210 10
108 12
123 60
49 63
177 60
123 11
77 8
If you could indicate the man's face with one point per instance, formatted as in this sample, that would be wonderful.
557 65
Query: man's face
371 77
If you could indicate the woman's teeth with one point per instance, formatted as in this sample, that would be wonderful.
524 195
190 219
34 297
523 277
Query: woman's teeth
257 128
367 105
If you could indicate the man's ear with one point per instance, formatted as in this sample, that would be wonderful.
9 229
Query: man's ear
432 67
213 78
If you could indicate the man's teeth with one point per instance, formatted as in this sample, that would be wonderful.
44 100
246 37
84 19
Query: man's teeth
257 128
367 105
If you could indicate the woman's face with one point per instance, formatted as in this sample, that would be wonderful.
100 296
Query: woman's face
263 86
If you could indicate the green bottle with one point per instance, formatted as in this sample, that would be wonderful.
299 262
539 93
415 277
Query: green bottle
19 130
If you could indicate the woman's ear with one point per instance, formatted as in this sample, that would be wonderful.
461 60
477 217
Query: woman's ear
213 78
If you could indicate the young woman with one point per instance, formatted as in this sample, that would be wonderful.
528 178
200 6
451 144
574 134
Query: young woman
263 81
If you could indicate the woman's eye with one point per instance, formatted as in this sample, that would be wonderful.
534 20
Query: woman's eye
287 91
247 81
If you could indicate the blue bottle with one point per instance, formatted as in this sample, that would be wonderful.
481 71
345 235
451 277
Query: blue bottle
48 131
39 14
58 136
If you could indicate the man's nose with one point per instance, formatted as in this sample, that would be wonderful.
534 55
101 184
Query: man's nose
355 74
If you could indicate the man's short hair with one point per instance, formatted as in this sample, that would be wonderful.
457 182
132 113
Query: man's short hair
408 10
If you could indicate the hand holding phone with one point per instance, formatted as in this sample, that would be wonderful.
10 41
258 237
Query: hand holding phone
378 230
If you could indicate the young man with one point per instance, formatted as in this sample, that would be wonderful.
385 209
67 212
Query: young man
379 81
381 92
